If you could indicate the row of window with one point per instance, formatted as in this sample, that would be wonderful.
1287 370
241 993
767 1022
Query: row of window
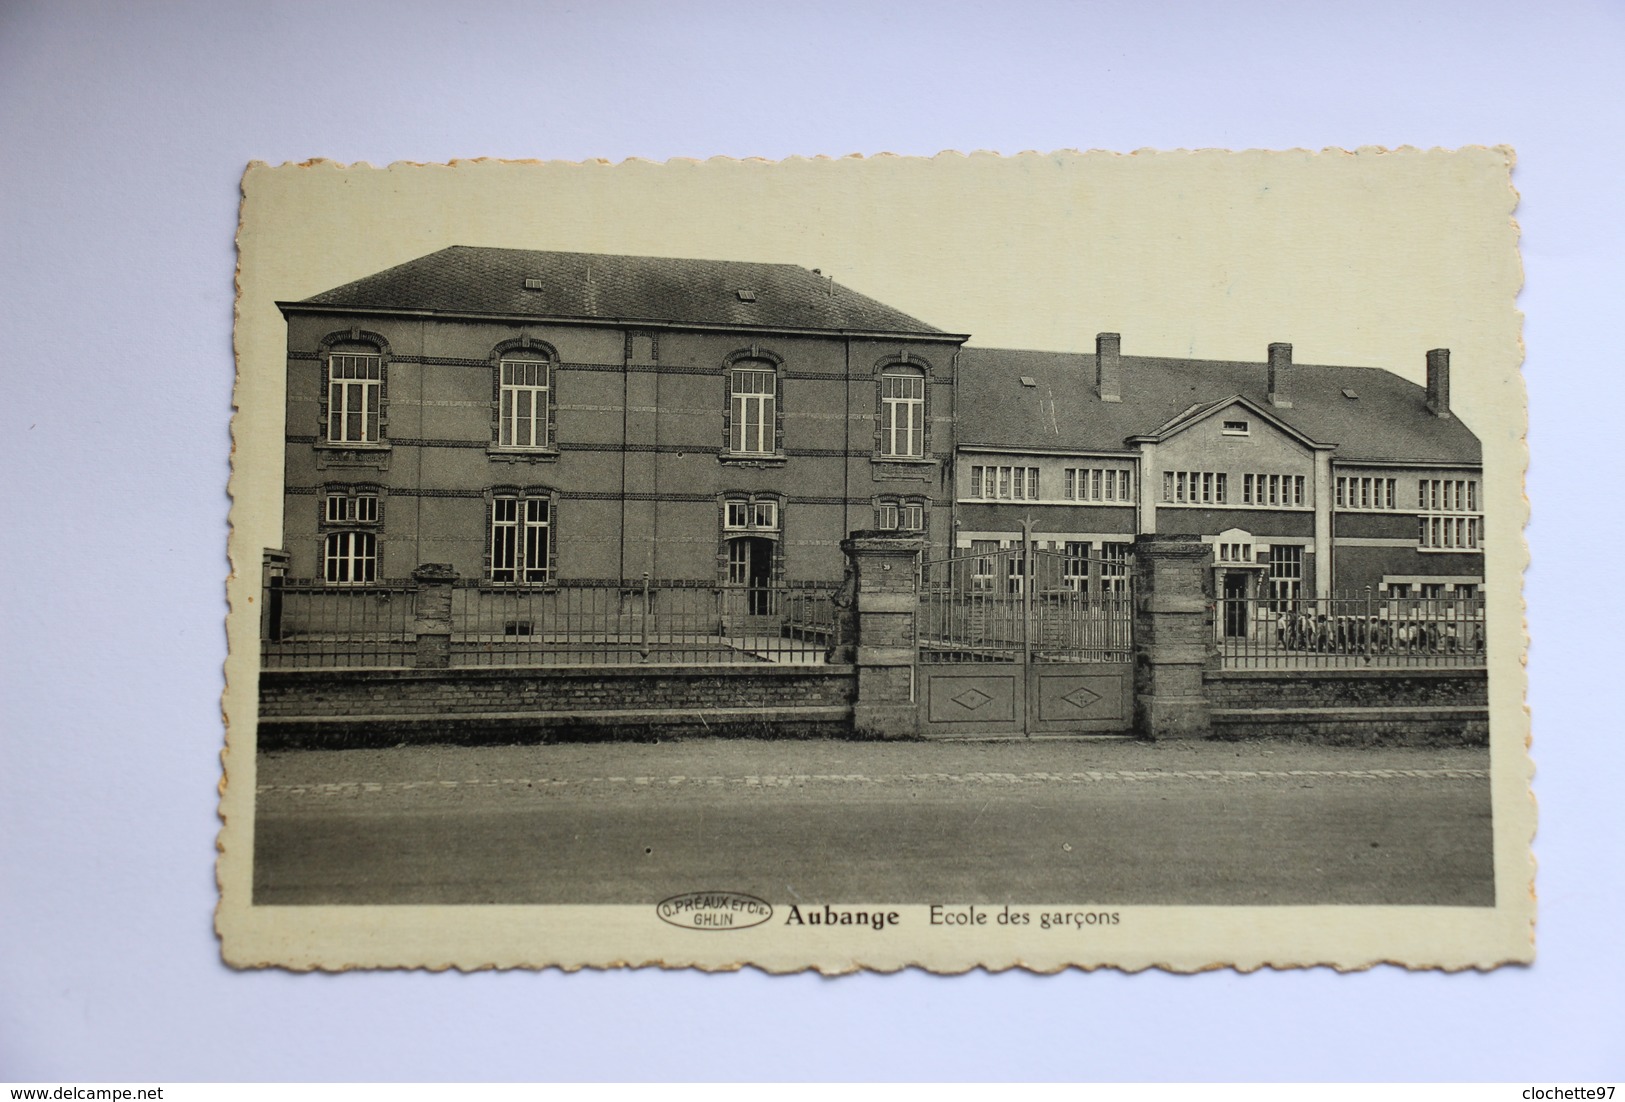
1098 484
1272 489
1451 533
355 390
1194 487
522 531
1367 493
1008 483
1212 488
1447 495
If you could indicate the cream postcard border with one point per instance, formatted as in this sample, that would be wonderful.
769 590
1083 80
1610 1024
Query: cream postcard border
1050 245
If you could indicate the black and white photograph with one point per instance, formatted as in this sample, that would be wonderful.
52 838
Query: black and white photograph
557 543
943 586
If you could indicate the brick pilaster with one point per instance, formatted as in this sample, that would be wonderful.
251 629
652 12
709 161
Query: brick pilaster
431 619
883 566
1173 637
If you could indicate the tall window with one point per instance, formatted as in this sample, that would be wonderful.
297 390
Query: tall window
1114 570
350 558
355 385
984 553
1075 567
753 413
350 520
902 413
523 395
521 538
1286 576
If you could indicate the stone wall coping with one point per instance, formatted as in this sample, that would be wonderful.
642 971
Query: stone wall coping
499 673
624 715
1369 673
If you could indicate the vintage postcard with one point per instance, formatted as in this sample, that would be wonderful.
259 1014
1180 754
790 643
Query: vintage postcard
1038 561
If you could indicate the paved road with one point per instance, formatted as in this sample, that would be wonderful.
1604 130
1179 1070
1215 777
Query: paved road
1095 822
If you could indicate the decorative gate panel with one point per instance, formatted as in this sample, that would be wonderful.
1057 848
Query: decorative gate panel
1022 641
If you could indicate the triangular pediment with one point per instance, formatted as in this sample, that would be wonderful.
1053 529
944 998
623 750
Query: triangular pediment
1234 405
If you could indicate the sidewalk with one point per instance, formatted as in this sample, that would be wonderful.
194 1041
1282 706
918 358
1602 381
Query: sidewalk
745 757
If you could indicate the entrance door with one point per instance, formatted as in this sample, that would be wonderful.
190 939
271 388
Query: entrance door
1017 642
1235 605
750 567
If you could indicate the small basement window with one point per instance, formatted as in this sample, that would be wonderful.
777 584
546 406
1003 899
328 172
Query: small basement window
1236 428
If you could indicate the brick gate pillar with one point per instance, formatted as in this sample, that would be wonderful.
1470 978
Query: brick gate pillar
431 615
1173 637
883 567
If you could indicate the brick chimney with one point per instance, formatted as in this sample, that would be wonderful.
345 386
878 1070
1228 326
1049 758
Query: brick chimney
1280 361
1439 382
1109 367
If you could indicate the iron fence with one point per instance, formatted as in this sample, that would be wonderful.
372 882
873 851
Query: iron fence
1002 606
576 623
308 624
586 623
1368 628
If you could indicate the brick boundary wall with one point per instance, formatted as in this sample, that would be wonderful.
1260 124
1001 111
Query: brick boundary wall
338 708
1388 707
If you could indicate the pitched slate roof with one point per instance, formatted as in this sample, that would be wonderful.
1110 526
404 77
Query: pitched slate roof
1389 420
467 280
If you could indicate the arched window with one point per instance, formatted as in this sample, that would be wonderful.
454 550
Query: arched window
753 420
753 401
524 398
902 412
354 397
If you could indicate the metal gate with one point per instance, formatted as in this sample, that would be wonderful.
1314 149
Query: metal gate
1023 641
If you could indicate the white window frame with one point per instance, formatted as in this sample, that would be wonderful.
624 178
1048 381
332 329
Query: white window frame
357 393
1285 575
753 397
521 539
1114 570
351 508
524 431
1447 515
749 513
1195 488
1098 485
350 557
902 414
